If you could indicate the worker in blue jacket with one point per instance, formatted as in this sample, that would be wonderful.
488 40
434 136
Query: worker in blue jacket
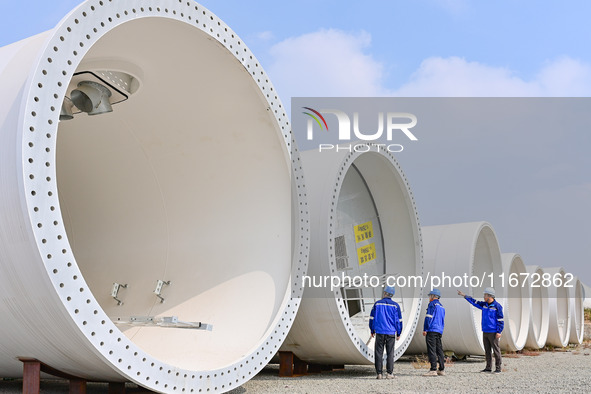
432 331
492 326
385 323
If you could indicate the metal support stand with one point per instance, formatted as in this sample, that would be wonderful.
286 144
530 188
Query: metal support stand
32 369
31 376
77 386
290 365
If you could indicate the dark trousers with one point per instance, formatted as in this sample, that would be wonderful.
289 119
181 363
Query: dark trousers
435 350
491 342
388 341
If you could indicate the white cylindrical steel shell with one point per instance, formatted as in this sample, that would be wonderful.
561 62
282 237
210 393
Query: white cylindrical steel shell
458 250
189 180
539 306
323 332
558 307
577 314
516 303
586 296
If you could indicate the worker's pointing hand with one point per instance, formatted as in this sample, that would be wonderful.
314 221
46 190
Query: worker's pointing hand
461 294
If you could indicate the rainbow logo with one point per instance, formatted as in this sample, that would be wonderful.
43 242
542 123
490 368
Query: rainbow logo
315 118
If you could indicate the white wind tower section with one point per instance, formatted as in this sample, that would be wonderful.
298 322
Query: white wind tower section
516 303
364 221
539 306
559 308
577 314
460 249
125 234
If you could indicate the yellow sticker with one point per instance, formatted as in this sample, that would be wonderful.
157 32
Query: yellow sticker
363 231
366 253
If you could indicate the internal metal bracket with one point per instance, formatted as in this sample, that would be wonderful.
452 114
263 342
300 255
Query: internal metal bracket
158 290
163 321
115 292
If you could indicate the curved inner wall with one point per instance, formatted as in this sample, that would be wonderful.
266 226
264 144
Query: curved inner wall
578 312
514 304
517 302
483 264
359 247
187 181
562 310
540 310
399 233
536 310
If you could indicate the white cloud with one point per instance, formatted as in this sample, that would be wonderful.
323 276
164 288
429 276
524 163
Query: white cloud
565 77
454 7
336 63
326 63
266 35
457 77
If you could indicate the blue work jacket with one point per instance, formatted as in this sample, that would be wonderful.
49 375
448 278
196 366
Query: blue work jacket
492 315
435 318
386 318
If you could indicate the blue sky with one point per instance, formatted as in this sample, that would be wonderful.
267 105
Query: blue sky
428 48
509 42
522 37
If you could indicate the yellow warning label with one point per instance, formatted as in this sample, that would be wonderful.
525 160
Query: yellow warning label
366 253
363 231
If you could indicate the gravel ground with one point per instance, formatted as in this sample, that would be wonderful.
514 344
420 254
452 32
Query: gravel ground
549 372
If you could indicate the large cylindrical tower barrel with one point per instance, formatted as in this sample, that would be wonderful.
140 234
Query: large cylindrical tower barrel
454 252
364 224
577 314
558 306
146 168
516 303
539 306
